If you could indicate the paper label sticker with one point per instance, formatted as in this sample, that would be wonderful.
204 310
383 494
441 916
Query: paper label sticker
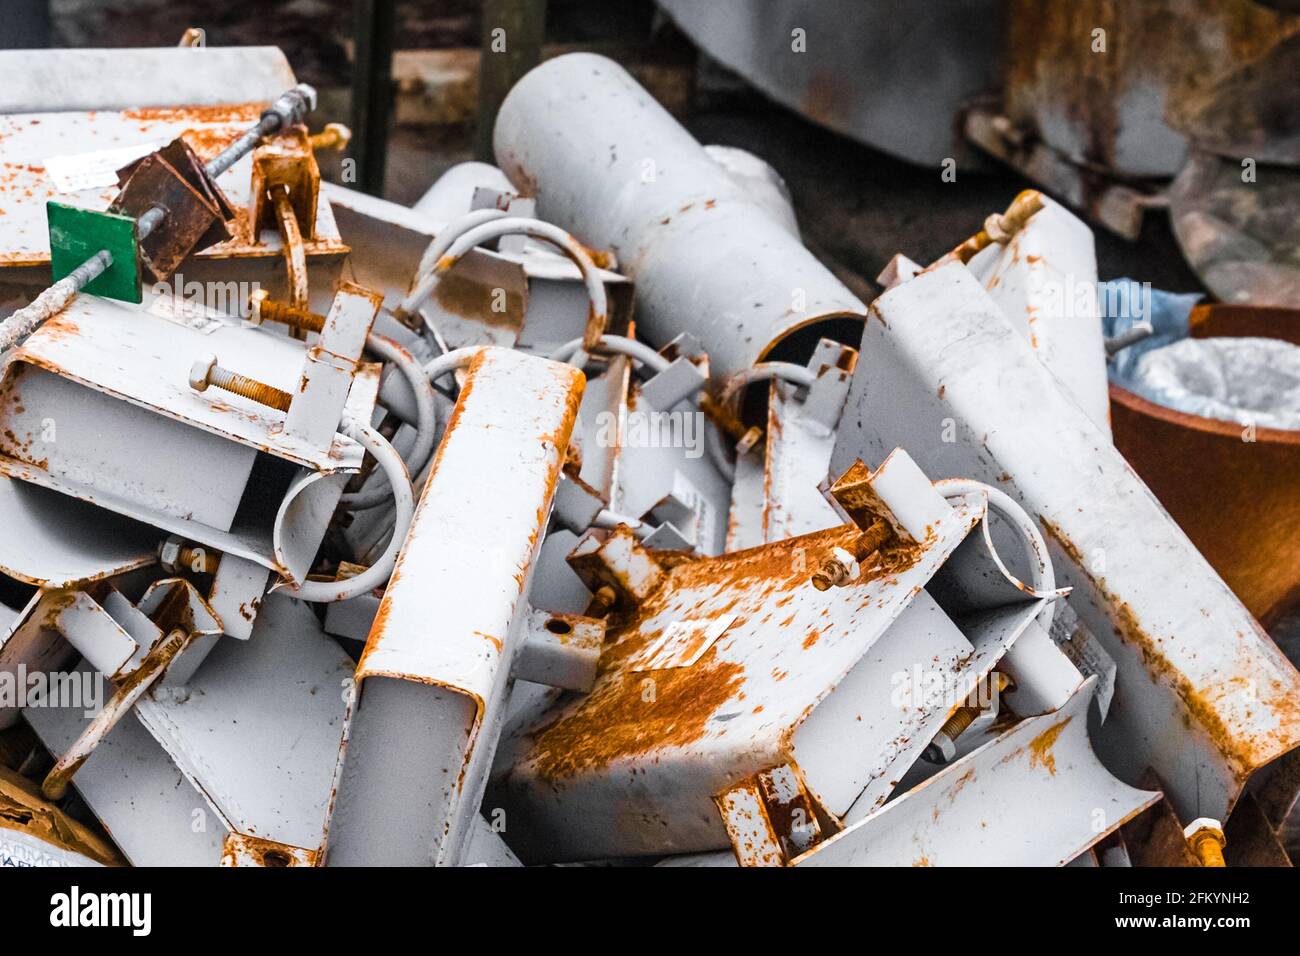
73 172
681 644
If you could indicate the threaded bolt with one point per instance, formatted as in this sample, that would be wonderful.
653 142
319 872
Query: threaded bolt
206 371
833 573
1206 840
944 746
602 602
333 136
261 309
174 554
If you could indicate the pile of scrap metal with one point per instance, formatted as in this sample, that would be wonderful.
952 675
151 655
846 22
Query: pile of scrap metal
561 518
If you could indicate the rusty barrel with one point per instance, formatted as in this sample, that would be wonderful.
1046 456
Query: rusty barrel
1236 492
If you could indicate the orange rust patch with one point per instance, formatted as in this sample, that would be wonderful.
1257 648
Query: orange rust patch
623 718
811 639
1040 748
220 113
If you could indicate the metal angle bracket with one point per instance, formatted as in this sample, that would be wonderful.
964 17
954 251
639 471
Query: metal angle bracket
76 234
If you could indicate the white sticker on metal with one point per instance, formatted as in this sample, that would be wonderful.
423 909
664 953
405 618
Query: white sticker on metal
73 172
682 644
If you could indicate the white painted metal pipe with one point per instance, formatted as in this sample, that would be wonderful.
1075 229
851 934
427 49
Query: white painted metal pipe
609 164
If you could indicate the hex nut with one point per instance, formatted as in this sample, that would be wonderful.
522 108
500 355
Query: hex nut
169 552
200 371
255 300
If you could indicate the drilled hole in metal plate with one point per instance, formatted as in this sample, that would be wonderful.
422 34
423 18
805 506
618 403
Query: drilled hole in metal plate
276 858
557 626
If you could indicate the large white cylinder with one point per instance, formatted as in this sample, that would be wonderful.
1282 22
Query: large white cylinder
609 164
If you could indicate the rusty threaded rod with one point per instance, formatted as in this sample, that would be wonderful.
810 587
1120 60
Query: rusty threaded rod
206 372
261 309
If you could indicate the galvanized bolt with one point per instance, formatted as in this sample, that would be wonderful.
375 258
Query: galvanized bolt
333 136
1205 838
261 309
205 371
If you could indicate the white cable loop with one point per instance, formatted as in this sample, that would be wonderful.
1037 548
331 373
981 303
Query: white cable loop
378 573
421 448
1043 576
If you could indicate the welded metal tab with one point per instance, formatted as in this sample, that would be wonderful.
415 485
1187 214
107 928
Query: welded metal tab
431 686
1202 695
90 399
247 745
34 146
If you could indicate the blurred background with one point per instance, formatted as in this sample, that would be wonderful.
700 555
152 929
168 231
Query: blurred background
1138 114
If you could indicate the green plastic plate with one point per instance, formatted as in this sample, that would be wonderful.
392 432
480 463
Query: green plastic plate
77 234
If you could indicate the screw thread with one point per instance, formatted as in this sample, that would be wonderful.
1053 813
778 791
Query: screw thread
956 725
250 388
1208 849
293 316
199 560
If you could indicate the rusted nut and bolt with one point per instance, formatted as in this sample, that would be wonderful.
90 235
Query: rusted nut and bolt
836 571
943 748
602 602
206 372
262 308
844 566
175 555
333 136
1205 838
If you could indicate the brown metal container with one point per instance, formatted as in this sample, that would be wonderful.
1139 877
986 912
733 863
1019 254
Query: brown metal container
1238 499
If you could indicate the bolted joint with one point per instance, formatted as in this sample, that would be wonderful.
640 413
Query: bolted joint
206 372
1205 839
836 571
290 107
944 746
176 556
602 602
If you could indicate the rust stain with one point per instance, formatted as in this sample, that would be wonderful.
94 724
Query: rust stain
1241 751
218 113
1040 748
622 719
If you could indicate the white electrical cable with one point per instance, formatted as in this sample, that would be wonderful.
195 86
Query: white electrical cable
571 351
536 229
421 447
452 361
437 248
379 572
